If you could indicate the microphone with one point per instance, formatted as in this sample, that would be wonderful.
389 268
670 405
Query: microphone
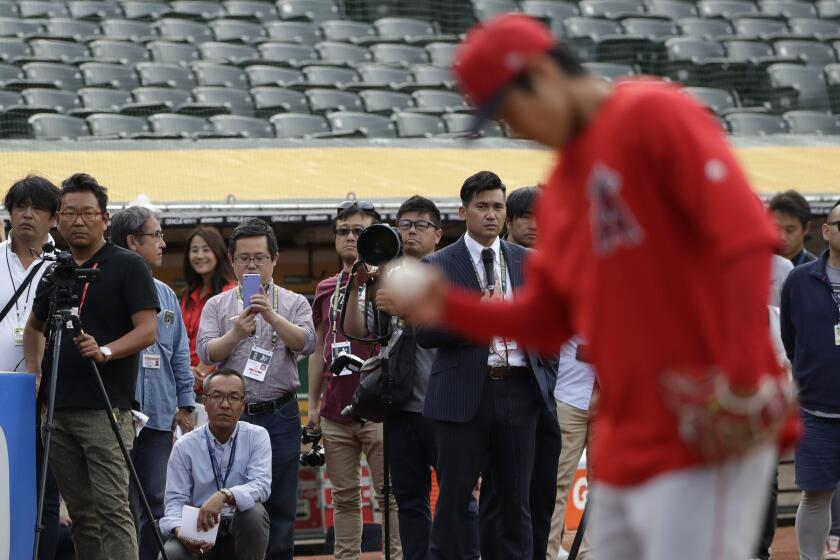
487 257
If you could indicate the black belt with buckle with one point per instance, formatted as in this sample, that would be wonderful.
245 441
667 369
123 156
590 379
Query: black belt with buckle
499 373
268 407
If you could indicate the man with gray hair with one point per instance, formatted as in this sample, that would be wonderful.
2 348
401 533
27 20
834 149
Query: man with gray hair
164 388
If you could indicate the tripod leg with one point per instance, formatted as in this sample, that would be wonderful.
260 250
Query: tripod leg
386 491
573 552
115 427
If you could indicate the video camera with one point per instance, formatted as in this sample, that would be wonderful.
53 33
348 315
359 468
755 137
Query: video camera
315 456
64 276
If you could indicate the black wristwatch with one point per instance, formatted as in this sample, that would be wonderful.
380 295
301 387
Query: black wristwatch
189 409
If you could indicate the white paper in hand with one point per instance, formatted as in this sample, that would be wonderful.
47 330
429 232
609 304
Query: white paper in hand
189 528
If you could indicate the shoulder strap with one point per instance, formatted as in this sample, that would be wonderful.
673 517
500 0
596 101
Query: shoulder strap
20 289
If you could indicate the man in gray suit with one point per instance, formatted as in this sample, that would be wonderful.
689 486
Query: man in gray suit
484 400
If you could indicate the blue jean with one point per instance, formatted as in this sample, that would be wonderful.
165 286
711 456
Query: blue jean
283 428
150 456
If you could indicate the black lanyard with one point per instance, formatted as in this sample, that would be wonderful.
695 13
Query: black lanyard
220 482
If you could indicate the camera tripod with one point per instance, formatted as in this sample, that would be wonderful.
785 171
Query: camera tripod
62 318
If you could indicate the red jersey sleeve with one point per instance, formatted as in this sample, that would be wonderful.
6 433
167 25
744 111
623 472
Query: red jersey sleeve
537 317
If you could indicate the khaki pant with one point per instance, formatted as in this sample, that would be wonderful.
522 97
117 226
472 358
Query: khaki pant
93 480
573 431
343 446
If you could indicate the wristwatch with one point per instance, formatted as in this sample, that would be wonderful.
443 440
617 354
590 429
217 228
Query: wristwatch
228 494
105 352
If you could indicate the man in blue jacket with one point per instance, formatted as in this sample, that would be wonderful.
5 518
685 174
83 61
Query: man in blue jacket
810 324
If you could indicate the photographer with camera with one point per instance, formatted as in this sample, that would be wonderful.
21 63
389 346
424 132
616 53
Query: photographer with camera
262 338
224 468
164 389
118 318
345 437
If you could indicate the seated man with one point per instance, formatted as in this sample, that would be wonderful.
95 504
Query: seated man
224 468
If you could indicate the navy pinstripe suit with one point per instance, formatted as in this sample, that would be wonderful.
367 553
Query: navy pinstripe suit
482 425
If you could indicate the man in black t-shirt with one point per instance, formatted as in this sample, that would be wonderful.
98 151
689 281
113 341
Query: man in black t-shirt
118 313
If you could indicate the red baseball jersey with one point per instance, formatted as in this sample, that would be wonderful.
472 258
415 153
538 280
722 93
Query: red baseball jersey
638 222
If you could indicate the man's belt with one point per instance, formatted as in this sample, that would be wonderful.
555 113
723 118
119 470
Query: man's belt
268 407
507 372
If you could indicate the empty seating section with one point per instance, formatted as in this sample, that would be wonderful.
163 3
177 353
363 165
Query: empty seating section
366 68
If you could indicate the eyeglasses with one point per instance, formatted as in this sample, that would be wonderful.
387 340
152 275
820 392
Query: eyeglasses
158 235
245 260
345 231
363 205
419 225
89 216
235 398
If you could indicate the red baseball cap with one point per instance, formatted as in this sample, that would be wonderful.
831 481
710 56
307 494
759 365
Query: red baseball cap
493 55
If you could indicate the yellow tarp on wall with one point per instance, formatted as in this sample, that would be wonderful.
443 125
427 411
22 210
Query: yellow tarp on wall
313 173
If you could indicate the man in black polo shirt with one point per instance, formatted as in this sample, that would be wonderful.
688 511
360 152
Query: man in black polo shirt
119 318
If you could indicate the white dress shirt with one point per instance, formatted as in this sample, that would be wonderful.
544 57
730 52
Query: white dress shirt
516 357
13 274
575 379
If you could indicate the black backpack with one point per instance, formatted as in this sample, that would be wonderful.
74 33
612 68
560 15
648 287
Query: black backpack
371 400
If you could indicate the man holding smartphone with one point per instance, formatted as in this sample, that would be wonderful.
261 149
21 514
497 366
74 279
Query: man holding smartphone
261 338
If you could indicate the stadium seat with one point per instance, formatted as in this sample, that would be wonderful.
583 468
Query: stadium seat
439 102
59 100
250 10
290 54
728 9
828 9
14 27
299 126
486 9
688 58
117 76
812 122
8 10
237 31
269 101
325 100
9 72
442 54
171 124
308 10
750 27
169 97
61 76
798 87
432 76
671 9
703 28
408 30
42 9
173 29
11 49
757 53
228 52
214 74
116 126
198 10
172 53
461 124
160 74
550 9
9 99
416 125
244 127
300 32
259 75
328 76
719 101
57 127
399 55
788 9
45 50
94 10
345 54
123 52
819 28
649 28
832 79
127 30
79 31
237 102
812 53
364 124
385 102
755 124
610 9
609 71
145 10
381 76
101 100
348 31
585 33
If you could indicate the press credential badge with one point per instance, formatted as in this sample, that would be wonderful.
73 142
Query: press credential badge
257 365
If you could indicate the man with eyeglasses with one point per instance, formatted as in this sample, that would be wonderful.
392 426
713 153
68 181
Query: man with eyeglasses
345 438
223 468
810 324
118 314
263 338
164 389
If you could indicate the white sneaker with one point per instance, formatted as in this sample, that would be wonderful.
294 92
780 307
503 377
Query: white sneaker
562 554
832 548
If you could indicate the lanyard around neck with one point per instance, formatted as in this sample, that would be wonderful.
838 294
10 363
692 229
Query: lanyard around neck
503 268
336 302
217 469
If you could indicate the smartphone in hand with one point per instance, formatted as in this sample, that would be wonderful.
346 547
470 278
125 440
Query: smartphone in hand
250 287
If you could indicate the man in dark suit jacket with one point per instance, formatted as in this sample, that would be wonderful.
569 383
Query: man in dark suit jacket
485 400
